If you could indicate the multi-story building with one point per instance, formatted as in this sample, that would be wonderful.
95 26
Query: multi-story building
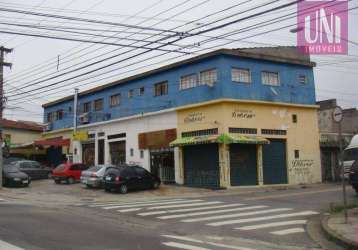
226 118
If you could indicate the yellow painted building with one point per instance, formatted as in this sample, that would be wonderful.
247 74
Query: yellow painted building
256 143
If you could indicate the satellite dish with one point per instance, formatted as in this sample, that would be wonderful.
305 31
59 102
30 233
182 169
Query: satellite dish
274 91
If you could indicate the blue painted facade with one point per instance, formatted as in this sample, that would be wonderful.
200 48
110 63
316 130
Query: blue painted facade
289 91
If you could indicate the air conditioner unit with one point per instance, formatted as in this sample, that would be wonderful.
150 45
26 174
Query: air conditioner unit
48 126
84 118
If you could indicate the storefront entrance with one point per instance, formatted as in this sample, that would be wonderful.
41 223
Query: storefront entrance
118 152
162 165
243 165
274 162
201 165
88 153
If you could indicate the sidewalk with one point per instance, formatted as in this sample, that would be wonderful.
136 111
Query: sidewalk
345 235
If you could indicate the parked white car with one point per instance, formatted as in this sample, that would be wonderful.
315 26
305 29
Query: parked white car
350 155
93 177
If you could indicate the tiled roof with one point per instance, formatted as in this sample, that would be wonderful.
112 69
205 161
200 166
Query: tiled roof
25 125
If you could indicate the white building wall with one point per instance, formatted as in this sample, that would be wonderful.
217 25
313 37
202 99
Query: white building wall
132 127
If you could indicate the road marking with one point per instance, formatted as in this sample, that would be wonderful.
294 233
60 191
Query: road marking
183 238
129 203
190 209
7 246
209 212
129 210
278 216
274 224
187 205
291 194
183 246
289 231
150 204
237 215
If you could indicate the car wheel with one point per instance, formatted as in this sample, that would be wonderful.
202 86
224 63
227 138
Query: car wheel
88 186
156 185
49 176
123 189
107 190
70 180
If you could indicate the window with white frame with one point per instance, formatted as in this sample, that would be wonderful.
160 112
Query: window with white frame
188 81
161 88
208 77
115 100
270 78
302 79
241 75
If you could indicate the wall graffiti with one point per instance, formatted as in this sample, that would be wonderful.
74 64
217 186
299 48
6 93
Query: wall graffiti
246 114
301 170
194 117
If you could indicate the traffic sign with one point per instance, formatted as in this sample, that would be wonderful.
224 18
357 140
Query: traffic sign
338 114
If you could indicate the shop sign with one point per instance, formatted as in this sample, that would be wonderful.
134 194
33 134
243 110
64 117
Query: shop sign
244 114
80 136
194 117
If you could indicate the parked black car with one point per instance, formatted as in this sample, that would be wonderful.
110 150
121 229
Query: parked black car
353 176
34 169
126 177
13 177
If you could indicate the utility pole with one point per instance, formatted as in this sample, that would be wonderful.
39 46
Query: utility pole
3 64
75 105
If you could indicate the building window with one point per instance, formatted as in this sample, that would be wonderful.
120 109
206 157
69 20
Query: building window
86 107
294 118
251 131
59 114
142 154
241 75
115 100
270 78
130 93
141 91
273 132
297 154
98 104
161 88
302 79
116 136
204 132
49 117
208 77
132 152
188 81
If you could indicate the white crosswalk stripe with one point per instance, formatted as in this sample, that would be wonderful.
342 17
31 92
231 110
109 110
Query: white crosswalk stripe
273 224
114 203
214 213
150 204
184 246
289 231
197 242
209 212
219 217
190 209
279 216
187 205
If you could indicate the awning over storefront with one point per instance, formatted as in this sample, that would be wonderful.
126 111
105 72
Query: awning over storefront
223 138
194 140
53 142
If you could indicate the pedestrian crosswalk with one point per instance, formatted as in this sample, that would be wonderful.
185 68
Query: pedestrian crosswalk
277 221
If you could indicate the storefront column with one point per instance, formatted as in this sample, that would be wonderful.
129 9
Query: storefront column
107 155
179 165
224 165
260 171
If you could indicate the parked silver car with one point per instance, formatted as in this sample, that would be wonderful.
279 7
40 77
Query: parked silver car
93 177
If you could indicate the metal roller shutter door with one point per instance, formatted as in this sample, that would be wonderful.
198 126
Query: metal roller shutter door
274 162
243 165
201 166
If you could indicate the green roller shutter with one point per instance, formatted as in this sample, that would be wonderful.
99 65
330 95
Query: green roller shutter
274 162
201 166
243 165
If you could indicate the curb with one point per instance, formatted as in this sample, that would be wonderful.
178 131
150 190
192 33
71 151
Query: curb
338 239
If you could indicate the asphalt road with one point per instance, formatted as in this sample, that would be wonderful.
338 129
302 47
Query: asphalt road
260 220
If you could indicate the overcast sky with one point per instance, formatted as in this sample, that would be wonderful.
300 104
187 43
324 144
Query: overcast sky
36 59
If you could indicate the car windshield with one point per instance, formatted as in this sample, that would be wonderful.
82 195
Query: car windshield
60 167
11 169
95 168
11 160
351 154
